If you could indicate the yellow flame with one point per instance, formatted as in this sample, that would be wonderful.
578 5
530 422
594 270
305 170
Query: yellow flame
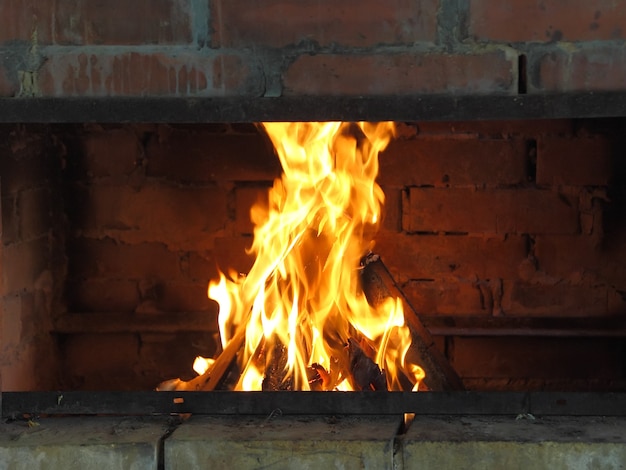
202 364
303 291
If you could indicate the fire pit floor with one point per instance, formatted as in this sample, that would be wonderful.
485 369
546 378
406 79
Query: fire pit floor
277 441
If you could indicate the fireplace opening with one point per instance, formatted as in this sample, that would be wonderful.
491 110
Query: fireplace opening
507 237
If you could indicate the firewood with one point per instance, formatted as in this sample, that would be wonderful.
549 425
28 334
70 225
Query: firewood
223 361
364 373
321 379
275 378
378 284
214 374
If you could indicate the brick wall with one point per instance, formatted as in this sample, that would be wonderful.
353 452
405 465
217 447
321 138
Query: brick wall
512 220
500 219
154 211
275 47
517 209
32 253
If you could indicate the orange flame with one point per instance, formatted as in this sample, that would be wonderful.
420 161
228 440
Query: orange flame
302 300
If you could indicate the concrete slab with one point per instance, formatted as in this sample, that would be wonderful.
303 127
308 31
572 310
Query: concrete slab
514 443
283 442
87 443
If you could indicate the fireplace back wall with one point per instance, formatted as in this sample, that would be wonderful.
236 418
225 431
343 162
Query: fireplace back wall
111 233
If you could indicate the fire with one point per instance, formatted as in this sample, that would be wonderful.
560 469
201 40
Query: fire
300 313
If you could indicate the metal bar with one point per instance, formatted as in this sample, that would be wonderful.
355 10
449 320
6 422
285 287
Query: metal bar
312 108
578 404
16 404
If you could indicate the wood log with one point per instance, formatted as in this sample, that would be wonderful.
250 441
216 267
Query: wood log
214 374
378 285
364 372
275 378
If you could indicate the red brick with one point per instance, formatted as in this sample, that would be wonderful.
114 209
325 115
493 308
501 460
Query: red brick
8 82
31 161
104 153
94 22
11 307
23 263
567 256
554 300
202 266
102 295
184 297
392 210
441 297
136 74
593 68
491 211
537 357
24 322
103 362
278 23
523 21
35 212
230 254
29 359
10 220
401 74
161 357
454 162
191 153
579 162
103 258
616 301
130 361
436 256
181 218
245 198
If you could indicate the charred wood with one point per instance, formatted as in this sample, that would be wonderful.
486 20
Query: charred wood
378 285
276 371
215 374
364 372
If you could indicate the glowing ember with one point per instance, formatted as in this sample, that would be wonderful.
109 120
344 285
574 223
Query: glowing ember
300 313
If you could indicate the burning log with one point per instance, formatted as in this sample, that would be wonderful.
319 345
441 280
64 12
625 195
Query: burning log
303 291
364 372
276 368
378 284
214 374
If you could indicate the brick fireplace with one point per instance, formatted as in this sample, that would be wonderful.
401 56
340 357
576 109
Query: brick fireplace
129 160
505 234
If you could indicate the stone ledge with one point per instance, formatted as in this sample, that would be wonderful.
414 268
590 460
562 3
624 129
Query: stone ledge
88 443
312 442
304 442
514 443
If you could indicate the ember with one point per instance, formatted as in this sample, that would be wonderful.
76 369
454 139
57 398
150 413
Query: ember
300 320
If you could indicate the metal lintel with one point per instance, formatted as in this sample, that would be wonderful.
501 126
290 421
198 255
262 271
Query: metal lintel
443 107
15 404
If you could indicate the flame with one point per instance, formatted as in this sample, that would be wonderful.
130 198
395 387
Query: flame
202 364
301 303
